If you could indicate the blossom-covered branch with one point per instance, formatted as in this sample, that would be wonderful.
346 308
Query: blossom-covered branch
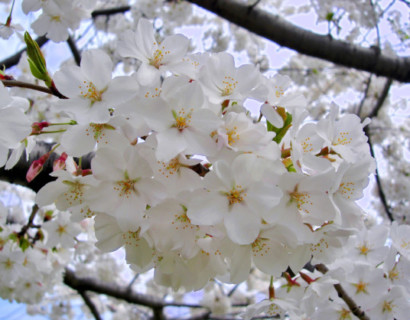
343 295
284 33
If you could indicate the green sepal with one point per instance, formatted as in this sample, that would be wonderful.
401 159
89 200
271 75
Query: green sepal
280 132
36 60
24 244
13 237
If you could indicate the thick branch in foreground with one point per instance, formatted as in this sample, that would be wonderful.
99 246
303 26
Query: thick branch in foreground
284 33
343 295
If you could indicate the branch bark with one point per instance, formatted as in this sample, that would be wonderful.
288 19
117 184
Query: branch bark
116 291
373 114
343 295
284 33
90 305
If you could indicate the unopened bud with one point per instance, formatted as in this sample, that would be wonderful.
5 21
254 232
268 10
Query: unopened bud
36 167
59 164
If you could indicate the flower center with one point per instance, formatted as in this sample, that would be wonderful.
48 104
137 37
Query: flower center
364 250
361 287
158 56
344 314
346 189
182 119
228 86
126 186
233 136
75 193
387 306
236 195
89 91
343 139
260 247
302 199
169 168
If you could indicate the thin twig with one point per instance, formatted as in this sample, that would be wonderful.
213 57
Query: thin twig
129 287
90 304
382 195
381 99
31 86
29 224
372 114
343 295
74 50
366 92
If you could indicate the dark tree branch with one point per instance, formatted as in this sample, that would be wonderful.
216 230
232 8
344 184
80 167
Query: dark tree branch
110 11
284 33
343 295
74 50
14 59
373 114
17 174
277 29
381 99
26 85
366 92
116 291
90 304
382 195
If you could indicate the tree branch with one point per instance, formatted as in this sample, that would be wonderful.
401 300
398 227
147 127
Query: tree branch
14 59
116 291
373 114
343 295
90 304
109 11
284 33
74 50
381 99
26 85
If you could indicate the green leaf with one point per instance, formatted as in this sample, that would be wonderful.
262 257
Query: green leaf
24 244
36 60
35 71
329 16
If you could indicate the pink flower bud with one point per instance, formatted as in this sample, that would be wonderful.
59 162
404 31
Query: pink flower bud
59 164
37 127
36 167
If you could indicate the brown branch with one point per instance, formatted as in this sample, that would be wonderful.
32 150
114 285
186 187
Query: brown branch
109 11
382 195
74 50
29 224
373 114
90 304
284 33
17 174
366 92
14 59
26 85
381 99
116 291
343 295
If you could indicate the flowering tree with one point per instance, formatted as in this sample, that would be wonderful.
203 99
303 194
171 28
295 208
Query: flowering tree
207 174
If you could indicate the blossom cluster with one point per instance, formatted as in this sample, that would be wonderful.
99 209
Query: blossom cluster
190 181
